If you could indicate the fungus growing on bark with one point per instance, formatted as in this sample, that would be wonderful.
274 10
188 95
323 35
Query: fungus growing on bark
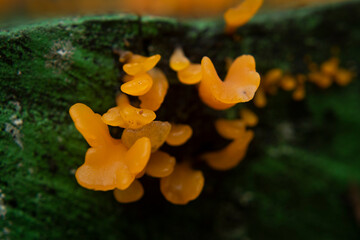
240 84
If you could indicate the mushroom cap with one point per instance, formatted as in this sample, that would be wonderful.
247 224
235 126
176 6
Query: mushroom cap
127 116
182 185
160 164
240 84
179 134
178 60
132 194
138 86
140 65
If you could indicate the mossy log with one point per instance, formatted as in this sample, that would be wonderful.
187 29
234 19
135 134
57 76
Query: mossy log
293 184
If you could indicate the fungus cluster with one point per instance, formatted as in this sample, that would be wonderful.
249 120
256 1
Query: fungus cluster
118 164
322 76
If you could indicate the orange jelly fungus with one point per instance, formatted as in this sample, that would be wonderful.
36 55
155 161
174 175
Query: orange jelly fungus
232 154
179 134
299 93
271 80
108 163
240 84
138 85
183 185
127 116
160 165
190 75
238 16
132 194
230 129
178 60
249 117
288 83
155 96
139 64
260 100
156 131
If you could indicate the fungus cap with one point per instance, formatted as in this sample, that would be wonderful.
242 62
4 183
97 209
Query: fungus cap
178 60
190 75
230 129
240 84
155 96
182 185
132 194
127 116
160 164
140 65
139 85
179 134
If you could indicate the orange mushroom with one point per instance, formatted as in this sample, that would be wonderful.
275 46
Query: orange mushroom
160 165
108 163
182 185
138 85
271 80
231 155
139 65
299 93
238 16
240 84
190 75
230 129
155 96
127 116
178 60
288 83
260 100
343 77
156 131
132 194
179 134
249 117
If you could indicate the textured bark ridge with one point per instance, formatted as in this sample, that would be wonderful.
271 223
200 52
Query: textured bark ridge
293 184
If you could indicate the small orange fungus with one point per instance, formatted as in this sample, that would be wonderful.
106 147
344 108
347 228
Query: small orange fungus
190 75
179 134
155 96
138 64
238 16
132 194
343 77
108 163
160 165
139 85
299 93
156 131
330 67
271 80
230 129
127 116
240 84
320 79
232 154
178 60
249 117
183 185
288 83
260 100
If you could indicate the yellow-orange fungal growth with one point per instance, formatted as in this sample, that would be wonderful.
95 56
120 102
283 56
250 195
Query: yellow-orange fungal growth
260 100
155 96
330 67
127 116
288 83
160 165
240 84
178 60
238 16
230 129
138 64
343 77
249 117
156 131
108 163
190 75
132 194
179 134
183 185
320 79
139 85
232 154
271 80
